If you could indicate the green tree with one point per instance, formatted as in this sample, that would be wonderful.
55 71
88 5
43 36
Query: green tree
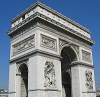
98 96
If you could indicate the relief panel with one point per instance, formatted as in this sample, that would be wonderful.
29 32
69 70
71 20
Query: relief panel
49 75
89 80
63 35
23 45
48 42
86 56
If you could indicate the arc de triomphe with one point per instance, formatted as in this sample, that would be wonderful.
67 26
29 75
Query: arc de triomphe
51 55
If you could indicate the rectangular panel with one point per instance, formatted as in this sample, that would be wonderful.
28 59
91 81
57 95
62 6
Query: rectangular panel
86 56
23 45
48 42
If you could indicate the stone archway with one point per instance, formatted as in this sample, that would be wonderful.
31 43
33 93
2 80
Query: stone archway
39 37
66 85
24 80
68 56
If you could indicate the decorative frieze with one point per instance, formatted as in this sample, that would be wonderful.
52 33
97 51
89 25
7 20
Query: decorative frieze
63 35
50 20
55 31
54 15
49 75
51 30
48 42
23 45
89 80
86 56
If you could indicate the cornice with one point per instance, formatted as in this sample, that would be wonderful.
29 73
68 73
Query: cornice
45 90
43 26
24 12
92 91
52 11
11 92
22 23
35 52
43 17
82 64
62 35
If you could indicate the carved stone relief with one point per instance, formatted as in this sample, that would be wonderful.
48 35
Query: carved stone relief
48 42
62 43
86 56
52 30
89 80
23 45
63 35
49 75
49 19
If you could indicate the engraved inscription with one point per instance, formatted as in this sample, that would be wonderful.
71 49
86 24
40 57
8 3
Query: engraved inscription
48 42
49 75
89 81
86 56
23 45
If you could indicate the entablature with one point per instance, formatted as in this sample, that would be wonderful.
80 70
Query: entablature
39 10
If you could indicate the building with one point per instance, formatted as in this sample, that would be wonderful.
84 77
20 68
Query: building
51 55
3 93
98 92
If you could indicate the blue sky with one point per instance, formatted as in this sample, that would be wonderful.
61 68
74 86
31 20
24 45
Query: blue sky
84 12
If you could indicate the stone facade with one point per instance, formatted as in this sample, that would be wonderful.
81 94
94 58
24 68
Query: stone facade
98 92
51 55
3 93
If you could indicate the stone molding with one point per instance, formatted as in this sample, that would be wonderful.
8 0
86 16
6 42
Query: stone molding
63 35
89 92
11 92
23 45
65 28
22 23
45 90
86 56
52 11
32 53
18 64
48 42
76 63
24 31
18 74
51 21
51 30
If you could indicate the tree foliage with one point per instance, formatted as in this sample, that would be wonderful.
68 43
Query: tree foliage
98 96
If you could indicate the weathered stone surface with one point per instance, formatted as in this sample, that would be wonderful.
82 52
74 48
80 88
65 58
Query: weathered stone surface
51 55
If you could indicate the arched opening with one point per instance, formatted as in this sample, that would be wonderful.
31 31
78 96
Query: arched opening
68 55
24 80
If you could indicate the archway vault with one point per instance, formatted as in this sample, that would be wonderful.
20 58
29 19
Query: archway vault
68 55
23 83
73 47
